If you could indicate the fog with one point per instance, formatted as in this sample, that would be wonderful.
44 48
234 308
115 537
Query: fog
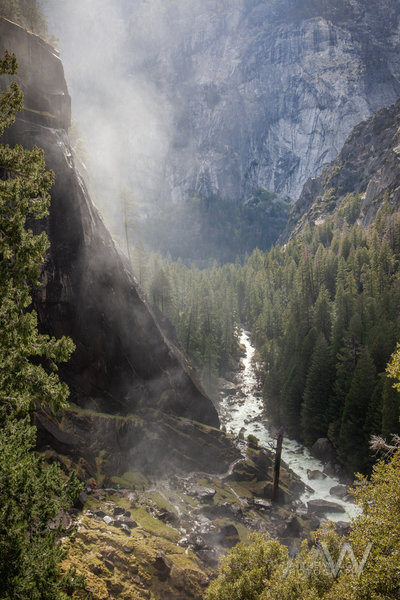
121 114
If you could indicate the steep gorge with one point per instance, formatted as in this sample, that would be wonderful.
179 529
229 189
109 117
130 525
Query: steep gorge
123 363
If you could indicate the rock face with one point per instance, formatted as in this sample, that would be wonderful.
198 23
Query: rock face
368 166
122 361
261 93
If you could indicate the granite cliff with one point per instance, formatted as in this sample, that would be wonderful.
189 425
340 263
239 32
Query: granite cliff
123 363
362 180
259 94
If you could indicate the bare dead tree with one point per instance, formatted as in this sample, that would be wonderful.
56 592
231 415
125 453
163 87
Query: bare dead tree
380 446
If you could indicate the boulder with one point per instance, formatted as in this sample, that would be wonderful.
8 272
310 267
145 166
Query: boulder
118 510
162 565
261 504
125 529
323 450
204 494
81 500
315 474
342 528
290 528
321 507
228 536
108 520
339 491
124 520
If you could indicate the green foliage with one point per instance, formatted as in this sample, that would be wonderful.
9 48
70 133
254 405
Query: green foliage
253 440
262 570
393 368
31 494
202 306
324 315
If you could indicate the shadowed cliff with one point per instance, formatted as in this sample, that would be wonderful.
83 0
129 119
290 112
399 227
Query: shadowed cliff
122 361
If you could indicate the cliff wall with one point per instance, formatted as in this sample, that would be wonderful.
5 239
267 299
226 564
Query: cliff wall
122 361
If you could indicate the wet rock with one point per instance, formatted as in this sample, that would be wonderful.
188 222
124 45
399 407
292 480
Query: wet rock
339 491
241 433
315 474
320 507
204 494
225 510
323 450
226 386
194 541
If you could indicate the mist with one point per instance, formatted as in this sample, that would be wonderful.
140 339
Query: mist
124 118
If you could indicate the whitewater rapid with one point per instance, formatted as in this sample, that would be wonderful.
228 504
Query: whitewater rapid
242 409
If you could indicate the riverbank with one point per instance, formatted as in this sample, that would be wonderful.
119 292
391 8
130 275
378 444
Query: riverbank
242 413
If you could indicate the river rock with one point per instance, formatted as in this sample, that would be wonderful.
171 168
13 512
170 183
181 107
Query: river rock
315 474
339 491
226 386
320 507
323 450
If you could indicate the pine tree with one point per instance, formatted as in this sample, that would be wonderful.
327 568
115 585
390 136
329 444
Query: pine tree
31 494
314 410
353 438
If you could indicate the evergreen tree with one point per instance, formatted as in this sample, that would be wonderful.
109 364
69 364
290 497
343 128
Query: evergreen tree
31 494
353 438
315 408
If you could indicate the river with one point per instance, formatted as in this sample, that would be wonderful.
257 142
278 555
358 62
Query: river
243 409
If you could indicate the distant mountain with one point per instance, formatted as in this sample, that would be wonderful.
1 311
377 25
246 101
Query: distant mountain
363 179
240 95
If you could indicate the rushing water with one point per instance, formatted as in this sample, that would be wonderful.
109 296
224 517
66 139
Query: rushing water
243 409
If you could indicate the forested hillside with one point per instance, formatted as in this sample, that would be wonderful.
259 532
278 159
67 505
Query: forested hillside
324 311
